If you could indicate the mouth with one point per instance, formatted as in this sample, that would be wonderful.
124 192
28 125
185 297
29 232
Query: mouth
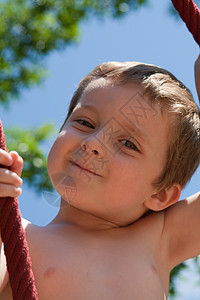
83 168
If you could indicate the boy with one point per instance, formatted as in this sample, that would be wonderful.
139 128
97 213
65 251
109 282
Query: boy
128 146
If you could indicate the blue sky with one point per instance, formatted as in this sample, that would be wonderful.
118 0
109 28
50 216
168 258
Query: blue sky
149 35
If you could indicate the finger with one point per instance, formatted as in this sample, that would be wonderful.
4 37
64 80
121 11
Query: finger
7 176
7 190
5 158
17 165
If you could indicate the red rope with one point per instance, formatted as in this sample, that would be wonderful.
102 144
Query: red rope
15 246
190 14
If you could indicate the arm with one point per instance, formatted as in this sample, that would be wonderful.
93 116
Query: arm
10 182
197 75
181 232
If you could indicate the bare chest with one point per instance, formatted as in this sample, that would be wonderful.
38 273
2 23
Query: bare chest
94 267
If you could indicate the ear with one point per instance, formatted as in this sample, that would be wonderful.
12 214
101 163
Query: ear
164 198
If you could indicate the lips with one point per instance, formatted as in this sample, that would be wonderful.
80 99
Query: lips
83 168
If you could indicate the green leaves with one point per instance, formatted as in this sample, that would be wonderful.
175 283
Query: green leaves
173 276
32 29
30 145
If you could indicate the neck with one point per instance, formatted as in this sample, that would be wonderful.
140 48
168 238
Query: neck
70 215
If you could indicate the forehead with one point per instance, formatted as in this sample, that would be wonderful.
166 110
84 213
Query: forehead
103 94
98 83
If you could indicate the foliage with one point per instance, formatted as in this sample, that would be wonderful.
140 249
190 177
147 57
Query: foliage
197 265
29 143
173 275
177 273
31 29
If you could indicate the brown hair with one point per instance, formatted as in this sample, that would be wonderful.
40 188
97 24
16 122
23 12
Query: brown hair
183 155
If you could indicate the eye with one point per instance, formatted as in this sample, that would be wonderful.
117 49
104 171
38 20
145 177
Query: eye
130 145
85 123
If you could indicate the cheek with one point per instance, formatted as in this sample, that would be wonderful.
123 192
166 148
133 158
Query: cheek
130 179
127 171
66 142
56 151
51 158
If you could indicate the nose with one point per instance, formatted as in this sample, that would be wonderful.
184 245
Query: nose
91 145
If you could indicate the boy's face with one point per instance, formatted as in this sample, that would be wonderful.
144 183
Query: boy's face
112 148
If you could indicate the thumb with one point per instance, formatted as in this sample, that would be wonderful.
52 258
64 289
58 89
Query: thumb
17 165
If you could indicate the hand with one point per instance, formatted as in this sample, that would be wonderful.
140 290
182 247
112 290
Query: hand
10 172
197 75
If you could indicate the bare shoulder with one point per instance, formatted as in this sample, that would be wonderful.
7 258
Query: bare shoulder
153 219
34 235
25 223
29 228
150 226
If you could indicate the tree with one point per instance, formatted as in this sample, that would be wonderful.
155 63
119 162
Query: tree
29 31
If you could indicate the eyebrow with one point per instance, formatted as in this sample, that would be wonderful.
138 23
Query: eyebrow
128 126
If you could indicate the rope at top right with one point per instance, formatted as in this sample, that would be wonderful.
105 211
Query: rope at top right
190 14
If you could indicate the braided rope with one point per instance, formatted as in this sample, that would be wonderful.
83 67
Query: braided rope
190 14
15 246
